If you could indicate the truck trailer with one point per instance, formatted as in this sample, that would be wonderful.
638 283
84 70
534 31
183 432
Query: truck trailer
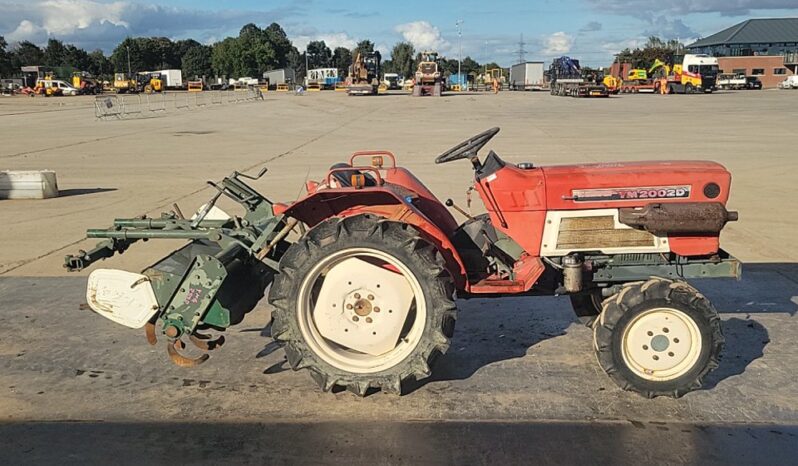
281 76
527 76
173 79
568 79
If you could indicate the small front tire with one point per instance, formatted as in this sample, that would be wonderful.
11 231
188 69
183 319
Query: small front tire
658 338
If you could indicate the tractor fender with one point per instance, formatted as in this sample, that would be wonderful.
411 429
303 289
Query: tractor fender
386 202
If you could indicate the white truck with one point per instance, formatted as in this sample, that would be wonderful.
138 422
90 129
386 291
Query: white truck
731 81
172 79
527 76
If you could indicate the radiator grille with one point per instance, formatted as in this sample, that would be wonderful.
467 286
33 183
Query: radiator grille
599 233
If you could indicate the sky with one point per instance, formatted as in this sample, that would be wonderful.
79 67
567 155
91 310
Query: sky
591 30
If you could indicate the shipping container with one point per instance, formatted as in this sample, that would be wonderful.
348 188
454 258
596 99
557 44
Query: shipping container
281 76
527 76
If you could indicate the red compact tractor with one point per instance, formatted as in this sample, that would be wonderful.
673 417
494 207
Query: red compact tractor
364 297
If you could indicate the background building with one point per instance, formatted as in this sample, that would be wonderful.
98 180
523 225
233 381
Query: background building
765 48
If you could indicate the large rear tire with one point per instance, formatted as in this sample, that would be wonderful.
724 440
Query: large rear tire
658 338
332 294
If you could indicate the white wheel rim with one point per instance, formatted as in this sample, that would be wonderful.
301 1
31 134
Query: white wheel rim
661 344
318 337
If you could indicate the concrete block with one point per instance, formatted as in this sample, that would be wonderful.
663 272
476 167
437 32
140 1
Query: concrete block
28 184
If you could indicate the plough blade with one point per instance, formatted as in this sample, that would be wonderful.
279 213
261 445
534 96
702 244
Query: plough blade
183 361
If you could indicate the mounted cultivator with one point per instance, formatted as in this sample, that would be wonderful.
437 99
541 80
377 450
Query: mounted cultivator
363 292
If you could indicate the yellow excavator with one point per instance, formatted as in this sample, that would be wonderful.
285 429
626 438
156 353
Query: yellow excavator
640 76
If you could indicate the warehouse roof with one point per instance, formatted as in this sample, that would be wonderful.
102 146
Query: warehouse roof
754 31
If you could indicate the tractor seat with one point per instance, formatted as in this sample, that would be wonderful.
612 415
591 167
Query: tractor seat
344 178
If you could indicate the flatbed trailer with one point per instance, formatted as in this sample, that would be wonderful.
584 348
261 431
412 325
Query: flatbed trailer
648 86
675 86
577 87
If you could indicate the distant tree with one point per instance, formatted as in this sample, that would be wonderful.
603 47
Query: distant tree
363 47
26 53
224 56
180 47
342 59
126 56
295 62
5 59
469 66
402 61
449 66
77 58
319 55
197 61
99 64
280 43
255 52
654 49
55 54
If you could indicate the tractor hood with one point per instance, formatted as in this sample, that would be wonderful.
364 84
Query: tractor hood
601 185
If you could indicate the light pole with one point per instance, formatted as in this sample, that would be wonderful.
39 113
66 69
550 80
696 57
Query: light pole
307 70
486 57
459 25
129 74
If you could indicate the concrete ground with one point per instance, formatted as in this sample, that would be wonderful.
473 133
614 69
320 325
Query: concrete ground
520 377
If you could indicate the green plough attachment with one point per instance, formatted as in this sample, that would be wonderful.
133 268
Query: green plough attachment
210 283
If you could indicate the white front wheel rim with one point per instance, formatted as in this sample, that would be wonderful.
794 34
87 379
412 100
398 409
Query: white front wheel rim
661 344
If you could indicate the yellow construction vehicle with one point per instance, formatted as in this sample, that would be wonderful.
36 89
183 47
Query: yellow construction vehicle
641 75
86 83
612 84
123 83
150 82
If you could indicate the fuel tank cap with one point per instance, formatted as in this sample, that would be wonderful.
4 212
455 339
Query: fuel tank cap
526 165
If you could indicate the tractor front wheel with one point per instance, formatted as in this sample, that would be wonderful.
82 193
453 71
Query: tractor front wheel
658 338
363 302
587 306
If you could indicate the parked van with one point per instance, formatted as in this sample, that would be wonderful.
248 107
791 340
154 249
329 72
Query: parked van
63 87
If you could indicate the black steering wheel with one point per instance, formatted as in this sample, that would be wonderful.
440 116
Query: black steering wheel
469 148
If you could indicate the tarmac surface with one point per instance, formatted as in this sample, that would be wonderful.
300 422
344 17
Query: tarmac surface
520 383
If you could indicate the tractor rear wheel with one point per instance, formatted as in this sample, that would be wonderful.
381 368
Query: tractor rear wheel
363 302
436 92
658 338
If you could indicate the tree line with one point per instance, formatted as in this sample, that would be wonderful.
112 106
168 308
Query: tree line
654 49
254 51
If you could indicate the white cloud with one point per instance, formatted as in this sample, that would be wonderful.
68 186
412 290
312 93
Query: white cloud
28 31
423 36
95 23
333 40
557 44
646 8
66 16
